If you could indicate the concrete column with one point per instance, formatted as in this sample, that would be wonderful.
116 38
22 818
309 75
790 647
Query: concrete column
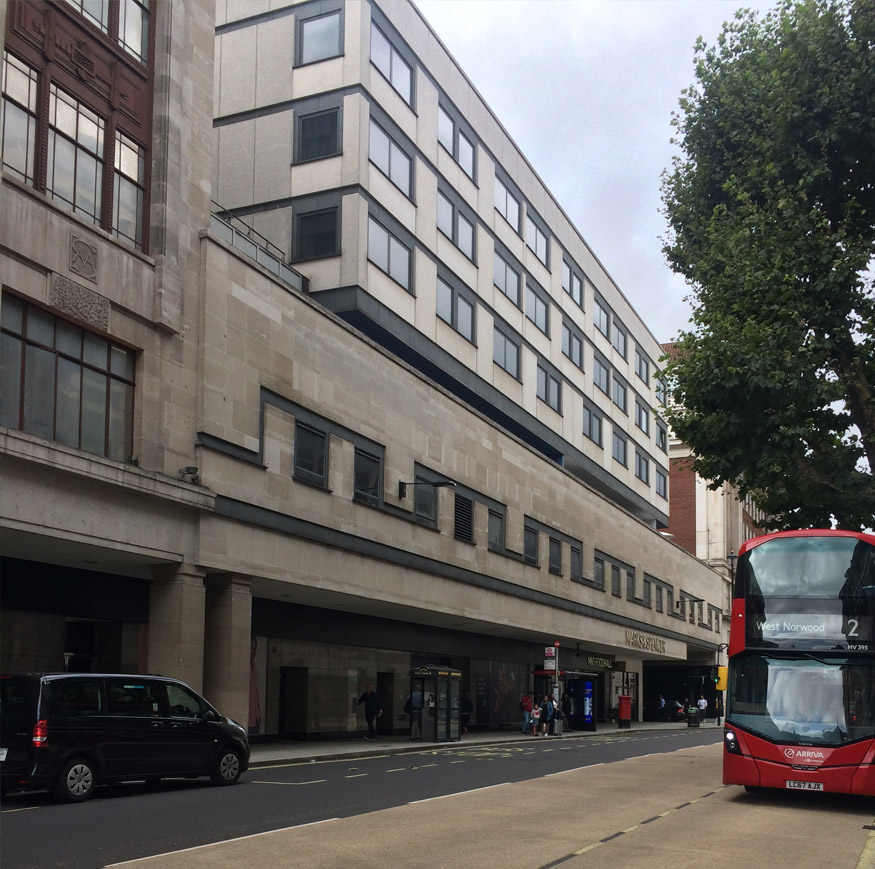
227 635
176 623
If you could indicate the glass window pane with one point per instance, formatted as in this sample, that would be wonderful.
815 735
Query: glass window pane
465 318
466 155
367 476
402 77
10 380
466 237
127 200
381 52
445 215
19 133
39 392
93 411
310 452
318 135
12 314
121 414
133 27
379 148
40 326
399 262
61 168
68 339
122 362
400 169
317 234
69 386
378 245
446 129
88 181
320 38
444 302
95 351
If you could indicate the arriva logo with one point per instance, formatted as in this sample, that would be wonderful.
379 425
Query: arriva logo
802 753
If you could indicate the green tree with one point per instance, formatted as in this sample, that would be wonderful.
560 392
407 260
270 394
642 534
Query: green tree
771 212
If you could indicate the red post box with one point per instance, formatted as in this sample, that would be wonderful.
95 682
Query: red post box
624 711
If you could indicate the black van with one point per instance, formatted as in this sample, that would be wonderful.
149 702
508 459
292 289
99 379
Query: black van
69 732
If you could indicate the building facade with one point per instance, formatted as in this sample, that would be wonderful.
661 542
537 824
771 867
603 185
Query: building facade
308 381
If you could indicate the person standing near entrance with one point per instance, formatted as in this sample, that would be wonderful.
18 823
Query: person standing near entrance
373 710
703 708
526 705
565 706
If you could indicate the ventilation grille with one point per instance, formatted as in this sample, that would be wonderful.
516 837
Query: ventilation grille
464 519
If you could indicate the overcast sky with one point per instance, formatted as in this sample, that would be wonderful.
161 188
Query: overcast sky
586 88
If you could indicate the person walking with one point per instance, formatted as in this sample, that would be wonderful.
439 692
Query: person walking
373 710
526 707
702 704
565 706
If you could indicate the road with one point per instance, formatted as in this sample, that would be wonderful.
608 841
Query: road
620 800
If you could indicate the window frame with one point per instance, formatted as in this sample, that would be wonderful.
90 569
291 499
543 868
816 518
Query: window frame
537 311
642 364
642 417
454 147
555 556
602 320
661 483
300 472
620 448
392 148
363 495
456 297
619 340
300 217
395 56
302 118
572 344
572 282
662 438
531 545
496 522
549 388
601 372
373 223
534 235
457 217
300 37
592 425
642 467
508 268
619 393
506 342
508 196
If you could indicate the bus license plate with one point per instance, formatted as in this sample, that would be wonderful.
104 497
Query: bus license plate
805 785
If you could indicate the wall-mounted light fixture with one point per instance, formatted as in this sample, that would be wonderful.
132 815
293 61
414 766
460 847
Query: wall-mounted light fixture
191 472
732 558
436 484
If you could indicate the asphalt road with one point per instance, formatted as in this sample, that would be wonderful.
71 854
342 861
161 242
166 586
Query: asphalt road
632 800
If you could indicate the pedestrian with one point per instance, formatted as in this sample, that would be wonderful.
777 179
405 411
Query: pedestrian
565 706
662 715
703 708
718 709
536 720
413 708
546 715
526 708
373 710
466 709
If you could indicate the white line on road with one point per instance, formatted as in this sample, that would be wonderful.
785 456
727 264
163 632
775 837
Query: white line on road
457 794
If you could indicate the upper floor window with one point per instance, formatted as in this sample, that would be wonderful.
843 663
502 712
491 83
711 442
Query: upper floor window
530 544
506 204
602 322
642 468
425 501
619 448
133 22
455 309
555 555
549 389
319 38
456 226
600 375
572 345
388 253
642 417
619 394
394 163
661 390
642 366
368 474
311 455
394 67
572 283
662 438
63 383
536 239
317 135
661 483
537 310
576 562
618 339
592 425
506 278
460 146
128 194
317 234
19 118
506 353
496 530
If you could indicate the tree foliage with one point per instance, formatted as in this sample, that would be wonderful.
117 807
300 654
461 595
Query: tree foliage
771 210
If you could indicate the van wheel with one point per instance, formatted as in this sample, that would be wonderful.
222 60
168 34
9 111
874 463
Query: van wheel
76 781
228 768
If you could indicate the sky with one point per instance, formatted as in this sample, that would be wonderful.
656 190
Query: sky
586 89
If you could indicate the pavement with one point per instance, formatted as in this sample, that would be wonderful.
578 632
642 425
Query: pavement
309 751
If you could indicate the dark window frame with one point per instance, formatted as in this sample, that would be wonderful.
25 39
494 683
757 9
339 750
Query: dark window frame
368 496
305 474
300 137
507 341
300 24
300 217
456 297
555 556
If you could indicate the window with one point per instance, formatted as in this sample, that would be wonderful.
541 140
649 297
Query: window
598 572
576 562
507 205
368 477
463 515
181 702
496 530
572 345
136 699
19 121
133 23
388 254
600 375
549 389
530 545
319 38
311 455
661 483
619 448
555 555
618 339
602 323
506 278
662 438
454 309
592 425
317 135
642 468
536 239
128 190
317 234
661 390
619 394
642 366
391 64
642 417
453 224
63 383
394 163
537 310
506 353
425 501
572 283
616 581
455 141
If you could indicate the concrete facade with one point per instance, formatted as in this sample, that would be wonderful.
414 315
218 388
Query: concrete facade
217 526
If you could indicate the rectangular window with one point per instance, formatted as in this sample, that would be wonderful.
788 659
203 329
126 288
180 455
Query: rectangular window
317 234
530 545
549 389
572 283
507 205
598 573
456 142
601 375
602 323
537 310
394 163
455 226
463 516
642 417
662 438
317 135
368 477
572 345
616 581
619 394
619 448
576 563
555 555
311 455
506 278
391 64
506 353
133 28
642 366
319 38
661 390
661 483
642 468
128 190
388 254
96 11
618 339
496 531
425 501
536 239
63 383
592 425
19 118
454 309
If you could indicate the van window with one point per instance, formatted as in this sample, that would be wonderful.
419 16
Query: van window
183 703
135 698
77 697
17 703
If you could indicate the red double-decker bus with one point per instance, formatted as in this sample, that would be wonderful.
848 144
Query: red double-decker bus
800 709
